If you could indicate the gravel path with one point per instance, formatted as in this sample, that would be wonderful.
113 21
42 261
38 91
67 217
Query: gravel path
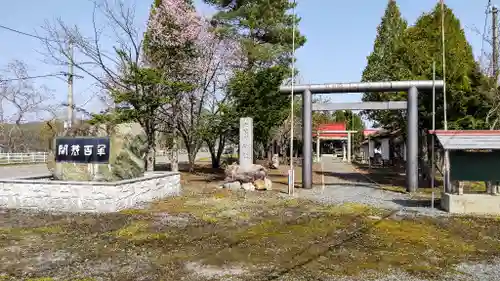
464 272
343 184
23 171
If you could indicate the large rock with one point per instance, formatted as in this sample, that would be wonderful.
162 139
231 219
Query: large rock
235 185
237 173
265 184
248 186
268 184
126 160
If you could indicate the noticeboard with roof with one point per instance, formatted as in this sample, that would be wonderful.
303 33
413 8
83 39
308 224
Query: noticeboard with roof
474 154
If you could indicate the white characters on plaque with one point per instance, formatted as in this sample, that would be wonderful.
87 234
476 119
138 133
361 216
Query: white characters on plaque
62 149
101 149
87 150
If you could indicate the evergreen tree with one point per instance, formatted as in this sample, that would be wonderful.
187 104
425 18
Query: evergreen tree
411 56
466 106
384 64
264 30
402 53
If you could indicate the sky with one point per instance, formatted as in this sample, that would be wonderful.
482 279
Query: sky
339 34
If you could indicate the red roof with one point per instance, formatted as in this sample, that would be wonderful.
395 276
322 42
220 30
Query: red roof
367 132
339 126
465 132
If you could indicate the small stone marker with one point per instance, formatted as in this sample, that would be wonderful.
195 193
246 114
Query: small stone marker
246 143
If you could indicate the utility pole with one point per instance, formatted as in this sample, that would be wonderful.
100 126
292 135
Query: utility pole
447 186
494 22
70 85
490 187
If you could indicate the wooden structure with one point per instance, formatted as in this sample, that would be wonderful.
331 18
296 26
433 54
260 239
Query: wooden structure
383 146
474 155
335 131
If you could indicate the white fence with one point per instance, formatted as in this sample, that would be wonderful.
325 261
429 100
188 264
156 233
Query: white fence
41 157
23 158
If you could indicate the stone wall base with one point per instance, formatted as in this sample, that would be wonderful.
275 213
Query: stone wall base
94 197
477 204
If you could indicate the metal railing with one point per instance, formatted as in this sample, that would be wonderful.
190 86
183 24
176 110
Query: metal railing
23 158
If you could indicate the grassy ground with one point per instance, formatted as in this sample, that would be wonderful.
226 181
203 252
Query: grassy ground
208 233
224 156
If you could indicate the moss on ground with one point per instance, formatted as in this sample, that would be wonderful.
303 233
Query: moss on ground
260 231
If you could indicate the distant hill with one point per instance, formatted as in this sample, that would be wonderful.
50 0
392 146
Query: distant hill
31 136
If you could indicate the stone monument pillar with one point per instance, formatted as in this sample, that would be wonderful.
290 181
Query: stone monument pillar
246 143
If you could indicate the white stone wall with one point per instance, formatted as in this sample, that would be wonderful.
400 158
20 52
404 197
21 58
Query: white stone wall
96 197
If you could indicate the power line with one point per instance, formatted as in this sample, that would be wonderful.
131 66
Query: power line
28 34
34 77
69 74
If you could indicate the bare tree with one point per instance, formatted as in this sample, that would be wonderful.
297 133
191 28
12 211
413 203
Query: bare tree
489 88
116 70
113 22
21 101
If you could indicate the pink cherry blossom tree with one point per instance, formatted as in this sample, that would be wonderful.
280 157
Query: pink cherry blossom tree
182 42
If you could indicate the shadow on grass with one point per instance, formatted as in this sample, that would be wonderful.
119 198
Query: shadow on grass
206 171
351 177
384 176
417 203
349 184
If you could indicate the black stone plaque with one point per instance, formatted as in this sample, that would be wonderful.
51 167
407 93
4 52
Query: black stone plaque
82 149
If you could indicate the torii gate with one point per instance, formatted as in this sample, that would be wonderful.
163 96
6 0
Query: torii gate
334 131
411 106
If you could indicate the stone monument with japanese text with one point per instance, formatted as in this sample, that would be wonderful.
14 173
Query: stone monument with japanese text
246 143
99 153
246 175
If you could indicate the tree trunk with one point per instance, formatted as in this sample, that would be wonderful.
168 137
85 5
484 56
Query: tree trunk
174 166
213 156
220 150
423 158
270 153
191 159
216 155
150 158
284 152
191 153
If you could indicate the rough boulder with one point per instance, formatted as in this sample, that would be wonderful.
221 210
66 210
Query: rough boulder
249 179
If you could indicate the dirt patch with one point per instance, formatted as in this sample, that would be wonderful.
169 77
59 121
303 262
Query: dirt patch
210 234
